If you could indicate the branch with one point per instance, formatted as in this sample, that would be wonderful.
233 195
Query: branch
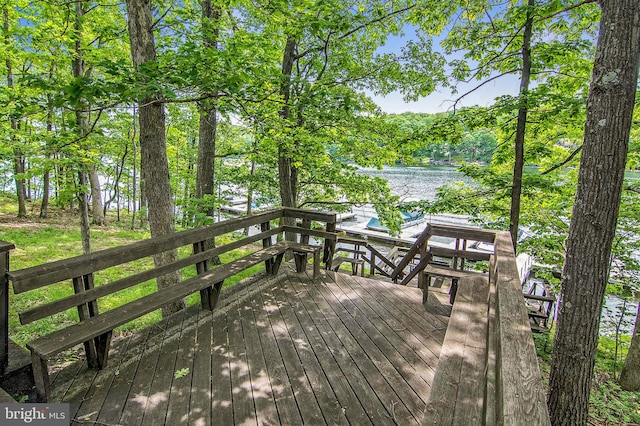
166 12
566 9
356 29
495 77
568 159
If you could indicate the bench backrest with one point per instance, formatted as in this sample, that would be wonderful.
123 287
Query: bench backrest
83 269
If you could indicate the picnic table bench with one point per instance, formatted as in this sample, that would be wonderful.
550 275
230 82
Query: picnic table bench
94 328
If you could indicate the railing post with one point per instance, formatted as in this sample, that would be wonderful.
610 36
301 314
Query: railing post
329 245
266 243
4 304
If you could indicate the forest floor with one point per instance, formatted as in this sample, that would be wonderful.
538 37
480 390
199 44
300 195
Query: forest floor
41 240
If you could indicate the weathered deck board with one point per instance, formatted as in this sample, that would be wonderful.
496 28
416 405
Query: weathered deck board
278 350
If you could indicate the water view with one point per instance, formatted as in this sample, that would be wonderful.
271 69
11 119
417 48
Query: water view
417 183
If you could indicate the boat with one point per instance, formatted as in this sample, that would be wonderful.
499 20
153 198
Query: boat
408 219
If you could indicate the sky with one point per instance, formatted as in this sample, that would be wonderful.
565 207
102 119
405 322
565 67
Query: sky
442 100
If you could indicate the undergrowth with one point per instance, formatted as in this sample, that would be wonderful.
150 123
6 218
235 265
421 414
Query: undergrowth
609 405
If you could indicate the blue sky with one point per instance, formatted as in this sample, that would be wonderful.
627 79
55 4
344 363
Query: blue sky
442 100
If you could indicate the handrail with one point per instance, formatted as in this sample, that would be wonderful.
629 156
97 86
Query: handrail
488 348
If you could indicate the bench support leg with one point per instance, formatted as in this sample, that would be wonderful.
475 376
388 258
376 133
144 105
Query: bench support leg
103 343
41 377
210 295
453 290
301 260
275 266
316 264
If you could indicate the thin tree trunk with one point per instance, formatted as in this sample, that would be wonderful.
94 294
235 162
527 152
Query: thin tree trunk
153 152
606 138
46 184
286 170
78 68
18 157
518 165
205 174
630 375
46 180
83 204
135 169
99 214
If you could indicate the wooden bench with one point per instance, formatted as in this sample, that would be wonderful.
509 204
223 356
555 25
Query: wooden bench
95 328
458 390
442 271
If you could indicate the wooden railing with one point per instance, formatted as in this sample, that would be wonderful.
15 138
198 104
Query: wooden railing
488 371
95 327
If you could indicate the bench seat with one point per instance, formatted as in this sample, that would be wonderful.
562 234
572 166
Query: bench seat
100 327
441 271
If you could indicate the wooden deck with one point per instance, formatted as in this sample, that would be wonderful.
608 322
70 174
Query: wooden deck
277 350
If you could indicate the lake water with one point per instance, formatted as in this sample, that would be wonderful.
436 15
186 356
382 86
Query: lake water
417 183
411 184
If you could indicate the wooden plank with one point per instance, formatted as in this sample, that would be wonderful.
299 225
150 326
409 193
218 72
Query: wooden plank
4 305
310 214
403 334
183 374
271 362
72 301
244 410
519 392
258 373
389 360
60 270
123 367
92 403
470 404
299 346
349 357
346 404
325 235
155 410
462 232
463 254
142 377
419 345
222 364
422 240
199 404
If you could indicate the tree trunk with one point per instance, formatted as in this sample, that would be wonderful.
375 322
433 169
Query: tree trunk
78 68
96 198
287 173
521 127
135 169
595 212
18 157
46 180
207 132
46 185
83 204
153 153
630 375
286 170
